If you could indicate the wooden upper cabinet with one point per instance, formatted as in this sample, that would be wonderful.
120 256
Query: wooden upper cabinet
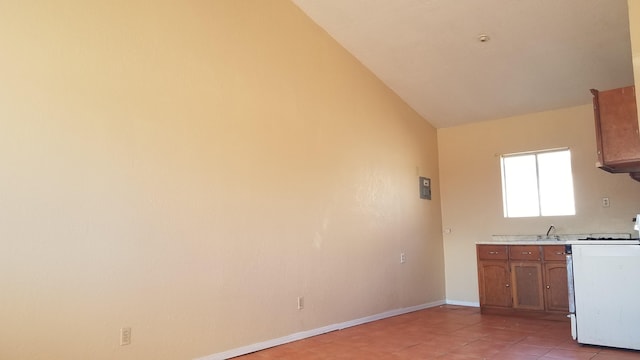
617 136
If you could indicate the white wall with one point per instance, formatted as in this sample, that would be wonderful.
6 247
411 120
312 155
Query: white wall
472 195
634 31
189 169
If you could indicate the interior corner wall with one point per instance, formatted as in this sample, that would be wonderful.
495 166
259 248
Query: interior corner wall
471 189
634 31
188 169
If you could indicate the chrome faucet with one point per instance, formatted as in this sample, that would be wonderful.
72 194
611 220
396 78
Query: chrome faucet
551 228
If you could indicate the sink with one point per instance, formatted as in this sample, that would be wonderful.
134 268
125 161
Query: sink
531 239
548 238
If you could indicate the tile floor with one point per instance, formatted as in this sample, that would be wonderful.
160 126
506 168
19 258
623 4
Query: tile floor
447 333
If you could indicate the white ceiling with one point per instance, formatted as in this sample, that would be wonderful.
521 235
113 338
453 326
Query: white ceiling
542 54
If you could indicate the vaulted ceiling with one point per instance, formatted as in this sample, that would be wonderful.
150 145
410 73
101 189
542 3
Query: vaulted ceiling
540 54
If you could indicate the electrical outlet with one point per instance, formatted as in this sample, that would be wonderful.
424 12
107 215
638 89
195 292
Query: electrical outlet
605 202
403 258
125 336
300 302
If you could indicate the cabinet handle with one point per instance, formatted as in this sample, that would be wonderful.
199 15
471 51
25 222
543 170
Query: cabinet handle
507 285
548 287
526 253
560 253
493 252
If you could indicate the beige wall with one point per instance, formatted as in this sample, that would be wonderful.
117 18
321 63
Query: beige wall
471 187
188 169
634 30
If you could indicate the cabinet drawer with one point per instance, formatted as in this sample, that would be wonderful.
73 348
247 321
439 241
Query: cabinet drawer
554 252
492 252
525 252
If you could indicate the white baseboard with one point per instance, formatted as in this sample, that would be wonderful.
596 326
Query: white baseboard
462 303
313 332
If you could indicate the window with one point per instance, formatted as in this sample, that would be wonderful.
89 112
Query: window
537 184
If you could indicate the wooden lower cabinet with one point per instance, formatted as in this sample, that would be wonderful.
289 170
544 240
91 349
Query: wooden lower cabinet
495 284
526 278
555 276
523 279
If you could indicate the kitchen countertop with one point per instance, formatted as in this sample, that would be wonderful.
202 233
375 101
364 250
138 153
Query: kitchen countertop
523 242
562 242
559 239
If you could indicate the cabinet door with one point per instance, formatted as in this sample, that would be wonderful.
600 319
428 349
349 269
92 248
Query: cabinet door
617 137
526 278
556 289
494 283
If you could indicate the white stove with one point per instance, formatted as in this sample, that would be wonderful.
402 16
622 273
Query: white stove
603 300
604 241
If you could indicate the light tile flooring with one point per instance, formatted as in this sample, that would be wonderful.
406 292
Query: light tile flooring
447 333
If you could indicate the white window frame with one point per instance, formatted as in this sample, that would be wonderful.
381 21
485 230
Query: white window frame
568 191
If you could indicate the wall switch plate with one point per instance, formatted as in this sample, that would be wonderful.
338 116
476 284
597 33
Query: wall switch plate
425 188
403 258
300 302
125 336
605 202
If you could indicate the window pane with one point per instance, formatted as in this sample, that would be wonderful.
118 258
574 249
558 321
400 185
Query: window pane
539 183
520 186
556 183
